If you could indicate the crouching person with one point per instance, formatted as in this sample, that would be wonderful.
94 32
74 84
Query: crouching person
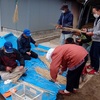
72 58
9 68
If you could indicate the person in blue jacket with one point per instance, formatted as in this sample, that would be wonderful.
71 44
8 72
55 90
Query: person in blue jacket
24 47
65 20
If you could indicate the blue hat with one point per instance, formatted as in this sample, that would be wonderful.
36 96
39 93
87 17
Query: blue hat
8 46
27 32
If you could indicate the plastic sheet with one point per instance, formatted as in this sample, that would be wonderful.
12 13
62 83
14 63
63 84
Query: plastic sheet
32 77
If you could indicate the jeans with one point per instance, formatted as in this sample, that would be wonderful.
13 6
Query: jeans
63 37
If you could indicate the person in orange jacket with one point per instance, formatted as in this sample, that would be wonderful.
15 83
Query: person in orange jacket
71 57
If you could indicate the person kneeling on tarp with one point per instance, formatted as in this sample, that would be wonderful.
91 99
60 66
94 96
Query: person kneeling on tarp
24 47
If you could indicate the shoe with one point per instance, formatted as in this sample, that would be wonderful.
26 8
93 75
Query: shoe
64 93
74 91
89 67
84 70
92 72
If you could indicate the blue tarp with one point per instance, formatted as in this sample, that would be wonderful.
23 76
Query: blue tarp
32 77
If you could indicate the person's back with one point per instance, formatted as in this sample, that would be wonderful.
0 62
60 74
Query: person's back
72 54
70 57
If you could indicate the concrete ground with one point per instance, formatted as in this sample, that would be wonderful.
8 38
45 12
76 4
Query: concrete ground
51 43
39 37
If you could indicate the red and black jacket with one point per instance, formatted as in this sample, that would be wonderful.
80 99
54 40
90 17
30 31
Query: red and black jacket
10 59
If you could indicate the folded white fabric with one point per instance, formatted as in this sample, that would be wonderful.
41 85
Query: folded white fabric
7 81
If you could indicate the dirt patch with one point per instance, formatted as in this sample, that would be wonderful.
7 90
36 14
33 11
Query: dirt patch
90 91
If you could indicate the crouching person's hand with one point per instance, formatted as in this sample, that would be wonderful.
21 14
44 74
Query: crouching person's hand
53 80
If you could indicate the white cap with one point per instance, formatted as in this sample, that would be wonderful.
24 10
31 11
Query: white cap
49 53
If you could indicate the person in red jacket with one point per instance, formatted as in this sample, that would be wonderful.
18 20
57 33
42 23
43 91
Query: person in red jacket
71 57
8 65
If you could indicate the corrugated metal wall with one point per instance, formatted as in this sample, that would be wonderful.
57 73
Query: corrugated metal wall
33 14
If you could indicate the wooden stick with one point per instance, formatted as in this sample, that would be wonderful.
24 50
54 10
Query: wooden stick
15 16
78 31
74 30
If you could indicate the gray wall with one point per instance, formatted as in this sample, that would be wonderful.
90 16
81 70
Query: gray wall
33 14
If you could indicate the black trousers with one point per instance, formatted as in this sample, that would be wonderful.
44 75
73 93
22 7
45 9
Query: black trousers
95 55
73 76
28 57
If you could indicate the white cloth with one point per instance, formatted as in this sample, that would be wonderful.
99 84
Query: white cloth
49 53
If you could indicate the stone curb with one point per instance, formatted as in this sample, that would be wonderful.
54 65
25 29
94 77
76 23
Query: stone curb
46 39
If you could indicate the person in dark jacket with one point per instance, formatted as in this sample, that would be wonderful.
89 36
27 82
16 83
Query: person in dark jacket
8 65
65 20
24 46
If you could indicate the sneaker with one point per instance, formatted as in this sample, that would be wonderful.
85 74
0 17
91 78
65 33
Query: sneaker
89 67
92 72
64 92
74 91
84 70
